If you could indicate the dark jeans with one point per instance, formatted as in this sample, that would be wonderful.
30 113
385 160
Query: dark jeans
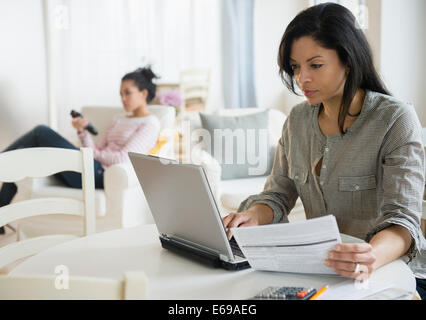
43 136
421 287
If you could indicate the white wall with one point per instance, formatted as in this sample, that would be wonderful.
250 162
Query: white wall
403 44
270 21
23 99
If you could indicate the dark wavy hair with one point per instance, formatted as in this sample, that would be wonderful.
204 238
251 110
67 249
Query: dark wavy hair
143 80
333 27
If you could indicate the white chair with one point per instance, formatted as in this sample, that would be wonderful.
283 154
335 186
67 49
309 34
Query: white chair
121 203
42 287
194 87
41 162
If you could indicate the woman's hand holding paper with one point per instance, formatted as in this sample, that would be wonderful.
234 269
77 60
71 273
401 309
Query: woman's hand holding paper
352 260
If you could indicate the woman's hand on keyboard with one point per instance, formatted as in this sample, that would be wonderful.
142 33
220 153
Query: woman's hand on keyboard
256 215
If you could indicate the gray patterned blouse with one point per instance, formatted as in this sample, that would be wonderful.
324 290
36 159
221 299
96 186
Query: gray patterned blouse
371 177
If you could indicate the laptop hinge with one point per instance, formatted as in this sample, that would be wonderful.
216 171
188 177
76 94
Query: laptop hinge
197 246
203 256
190 244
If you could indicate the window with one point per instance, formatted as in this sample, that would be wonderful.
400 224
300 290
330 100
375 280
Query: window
93 43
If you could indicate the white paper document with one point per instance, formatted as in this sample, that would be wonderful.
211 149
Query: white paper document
354 290
299 247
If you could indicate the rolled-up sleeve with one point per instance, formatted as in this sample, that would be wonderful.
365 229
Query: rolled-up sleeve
403 180
279 192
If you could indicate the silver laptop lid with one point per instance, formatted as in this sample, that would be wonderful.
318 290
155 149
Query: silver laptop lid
181 202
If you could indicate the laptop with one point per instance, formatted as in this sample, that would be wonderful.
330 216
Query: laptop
185 211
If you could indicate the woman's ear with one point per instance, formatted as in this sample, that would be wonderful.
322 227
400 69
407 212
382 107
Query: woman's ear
144 93
347 70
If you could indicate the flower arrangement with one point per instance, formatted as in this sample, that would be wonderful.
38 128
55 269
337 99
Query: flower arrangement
170 98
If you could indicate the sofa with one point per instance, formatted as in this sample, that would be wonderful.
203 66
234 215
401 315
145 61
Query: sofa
121 204
231 192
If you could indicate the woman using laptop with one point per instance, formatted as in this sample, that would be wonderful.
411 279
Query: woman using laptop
137 131
351 150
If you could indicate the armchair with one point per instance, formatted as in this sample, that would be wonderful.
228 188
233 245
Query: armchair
121 203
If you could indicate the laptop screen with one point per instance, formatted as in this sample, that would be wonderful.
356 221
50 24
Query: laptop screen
181 202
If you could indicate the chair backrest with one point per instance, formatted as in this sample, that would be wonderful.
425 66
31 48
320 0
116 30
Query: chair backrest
37 163
195 85
48 287
101 117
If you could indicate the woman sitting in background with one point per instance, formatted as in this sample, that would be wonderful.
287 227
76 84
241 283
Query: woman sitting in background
137 132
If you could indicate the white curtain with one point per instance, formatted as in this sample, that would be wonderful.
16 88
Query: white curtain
93 43
238 53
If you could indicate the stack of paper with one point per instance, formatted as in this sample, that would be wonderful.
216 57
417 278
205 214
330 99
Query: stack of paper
298 247
354 290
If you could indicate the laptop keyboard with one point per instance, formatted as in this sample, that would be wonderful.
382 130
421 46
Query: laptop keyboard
236 248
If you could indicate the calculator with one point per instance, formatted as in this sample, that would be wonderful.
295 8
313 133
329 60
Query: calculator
285 293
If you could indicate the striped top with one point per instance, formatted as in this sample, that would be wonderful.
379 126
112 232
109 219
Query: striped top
371 178
122 136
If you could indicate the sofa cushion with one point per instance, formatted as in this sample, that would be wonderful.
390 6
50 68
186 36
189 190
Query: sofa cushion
239 143
56 189
211 168
233 192
161 141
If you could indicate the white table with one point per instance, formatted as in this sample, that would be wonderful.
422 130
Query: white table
110 254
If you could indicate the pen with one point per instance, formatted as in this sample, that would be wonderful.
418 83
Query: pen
316 295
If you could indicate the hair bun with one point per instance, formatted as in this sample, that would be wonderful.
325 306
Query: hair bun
142 78
147 73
